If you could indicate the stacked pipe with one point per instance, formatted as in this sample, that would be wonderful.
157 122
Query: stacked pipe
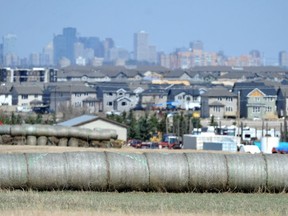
55 135
175 172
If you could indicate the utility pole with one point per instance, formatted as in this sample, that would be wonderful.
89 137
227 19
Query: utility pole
285 119
238 111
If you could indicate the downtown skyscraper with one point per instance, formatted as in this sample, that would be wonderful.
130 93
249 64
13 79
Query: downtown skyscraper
64 45
143 52
141 46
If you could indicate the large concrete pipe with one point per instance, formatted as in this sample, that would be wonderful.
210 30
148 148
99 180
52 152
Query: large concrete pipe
13 171
58 131
179 172
246 172
127 171
207 172
46 171
277 172
168 172
87 170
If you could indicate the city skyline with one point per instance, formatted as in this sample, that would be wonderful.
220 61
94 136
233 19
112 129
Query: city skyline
235 27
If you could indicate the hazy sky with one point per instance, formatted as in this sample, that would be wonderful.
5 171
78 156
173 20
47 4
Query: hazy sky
235 26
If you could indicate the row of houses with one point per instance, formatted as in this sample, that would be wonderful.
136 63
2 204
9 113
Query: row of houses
244 99
218 74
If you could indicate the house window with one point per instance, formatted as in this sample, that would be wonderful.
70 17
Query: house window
110 93
188 98
216 109
120 93
6 96
228 99
24 96
269 99
229 109
257 99
123 103
77 104
36 96
109 103
219 99
179 98
77 94
256 109
268 109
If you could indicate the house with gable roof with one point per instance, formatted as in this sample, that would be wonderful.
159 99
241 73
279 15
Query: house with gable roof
245 88
95 122
185 98
155 98
116 97
5 95
262 104
23 94
76 94
219 102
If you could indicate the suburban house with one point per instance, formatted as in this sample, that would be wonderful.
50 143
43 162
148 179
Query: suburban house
154 98
116 97
95 122
126 75
26 95
5 95
243 89
72 94
219 102
261 104
185 98
282 100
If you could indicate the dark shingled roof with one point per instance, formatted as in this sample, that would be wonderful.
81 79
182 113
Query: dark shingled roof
219 92
216 103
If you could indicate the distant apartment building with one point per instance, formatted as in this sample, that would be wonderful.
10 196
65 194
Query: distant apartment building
252 59
22 75
283 59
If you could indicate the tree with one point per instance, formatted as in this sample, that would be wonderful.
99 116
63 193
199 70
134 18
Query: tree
133 132
212 121
153 124
143 127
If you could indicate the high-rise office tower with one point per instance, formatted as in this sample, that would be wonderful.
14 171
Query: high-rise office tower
196 45
10 57
93 43
9 44
283 59
141 46
46 57
1 54
108 44
64 45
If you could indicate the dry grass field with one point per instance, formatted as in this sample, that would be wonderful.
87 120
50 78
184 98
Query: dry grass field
139 203
18 202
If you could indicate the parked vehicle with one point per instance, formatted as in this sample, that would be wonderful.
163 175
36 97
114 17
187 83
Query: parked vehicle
23 109
171 141
44 109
